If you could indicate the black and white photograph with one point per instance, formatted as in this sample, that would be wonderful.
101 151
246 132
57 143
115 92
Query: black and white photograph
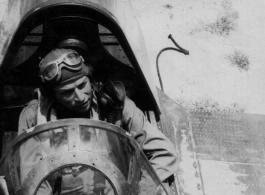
132 97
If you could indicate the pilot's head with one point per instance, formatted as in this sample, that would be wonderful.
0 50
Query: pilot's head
64 71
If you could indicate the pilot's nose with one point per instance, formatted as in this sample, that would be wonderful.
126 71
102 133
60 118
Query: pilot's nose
79 95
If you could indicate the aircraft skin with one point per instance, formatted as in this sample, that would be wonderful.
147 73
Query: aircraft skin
219 153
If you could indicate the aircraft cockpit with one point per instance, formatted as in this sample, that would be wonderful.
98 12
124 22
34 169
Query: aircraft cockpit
97 35
104 47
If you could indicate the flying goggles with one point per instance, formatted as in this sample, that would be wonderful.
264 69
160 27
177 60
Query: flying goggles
70 60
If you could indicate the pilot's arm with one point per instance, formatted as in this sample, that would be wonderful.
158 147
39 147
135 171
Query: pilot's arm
31 151
27 118
156 146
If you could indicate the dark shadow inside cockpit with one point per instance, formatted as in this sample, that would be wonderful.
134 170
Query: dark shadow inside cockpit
105 48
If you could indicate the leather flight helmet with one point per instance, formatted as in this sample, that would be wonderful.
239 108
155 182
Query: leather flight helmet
74 42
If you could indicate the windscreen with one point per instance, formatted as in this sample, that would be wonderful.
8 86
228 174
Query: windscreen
72 159
78 156
76 179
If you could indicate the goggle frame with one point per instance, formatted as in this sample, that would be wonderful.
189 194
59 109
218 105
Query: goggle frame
59 63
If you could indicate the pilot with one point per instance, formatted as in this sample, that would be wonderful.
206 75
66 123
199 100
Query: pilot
71 92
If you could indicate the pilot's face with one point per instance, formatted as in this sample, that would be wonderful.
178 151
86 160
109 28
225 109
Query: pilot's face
75 95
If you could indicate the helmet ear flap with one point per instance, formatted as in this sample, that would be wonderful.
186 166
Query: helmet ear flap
90 71
46 91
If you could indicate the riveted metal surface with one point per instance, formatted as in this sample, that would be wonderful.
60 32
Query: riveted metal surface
14 186
173 189
14 174
77 156
29 45
229 137
61 124
230 150
220 152
117 13
112 45
175 125
73 137
221 177
35 176
206 128
173 119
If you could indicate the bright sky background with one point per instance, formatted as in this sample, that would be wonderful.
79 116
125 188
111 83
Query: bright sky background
225 68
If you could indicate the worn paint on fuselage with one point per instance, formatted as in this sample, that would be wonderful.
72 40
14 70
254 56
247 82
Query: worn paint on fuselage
220 153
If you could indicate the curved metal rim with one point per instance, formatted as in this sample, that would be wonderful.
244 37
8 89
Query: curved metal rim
54 162
83 122
67 122
111 22
111 19
91 5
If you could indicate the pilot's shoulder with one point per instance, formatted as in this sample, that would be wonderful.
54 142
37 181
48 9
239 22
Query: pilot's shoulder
130 110
30 108
32 103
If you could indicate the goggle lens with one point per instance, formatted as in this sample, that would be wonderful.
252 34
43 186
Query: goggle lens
71 61
50 71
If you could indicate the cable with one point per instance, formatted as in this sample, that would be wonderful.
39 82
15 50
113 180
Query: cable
180 49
